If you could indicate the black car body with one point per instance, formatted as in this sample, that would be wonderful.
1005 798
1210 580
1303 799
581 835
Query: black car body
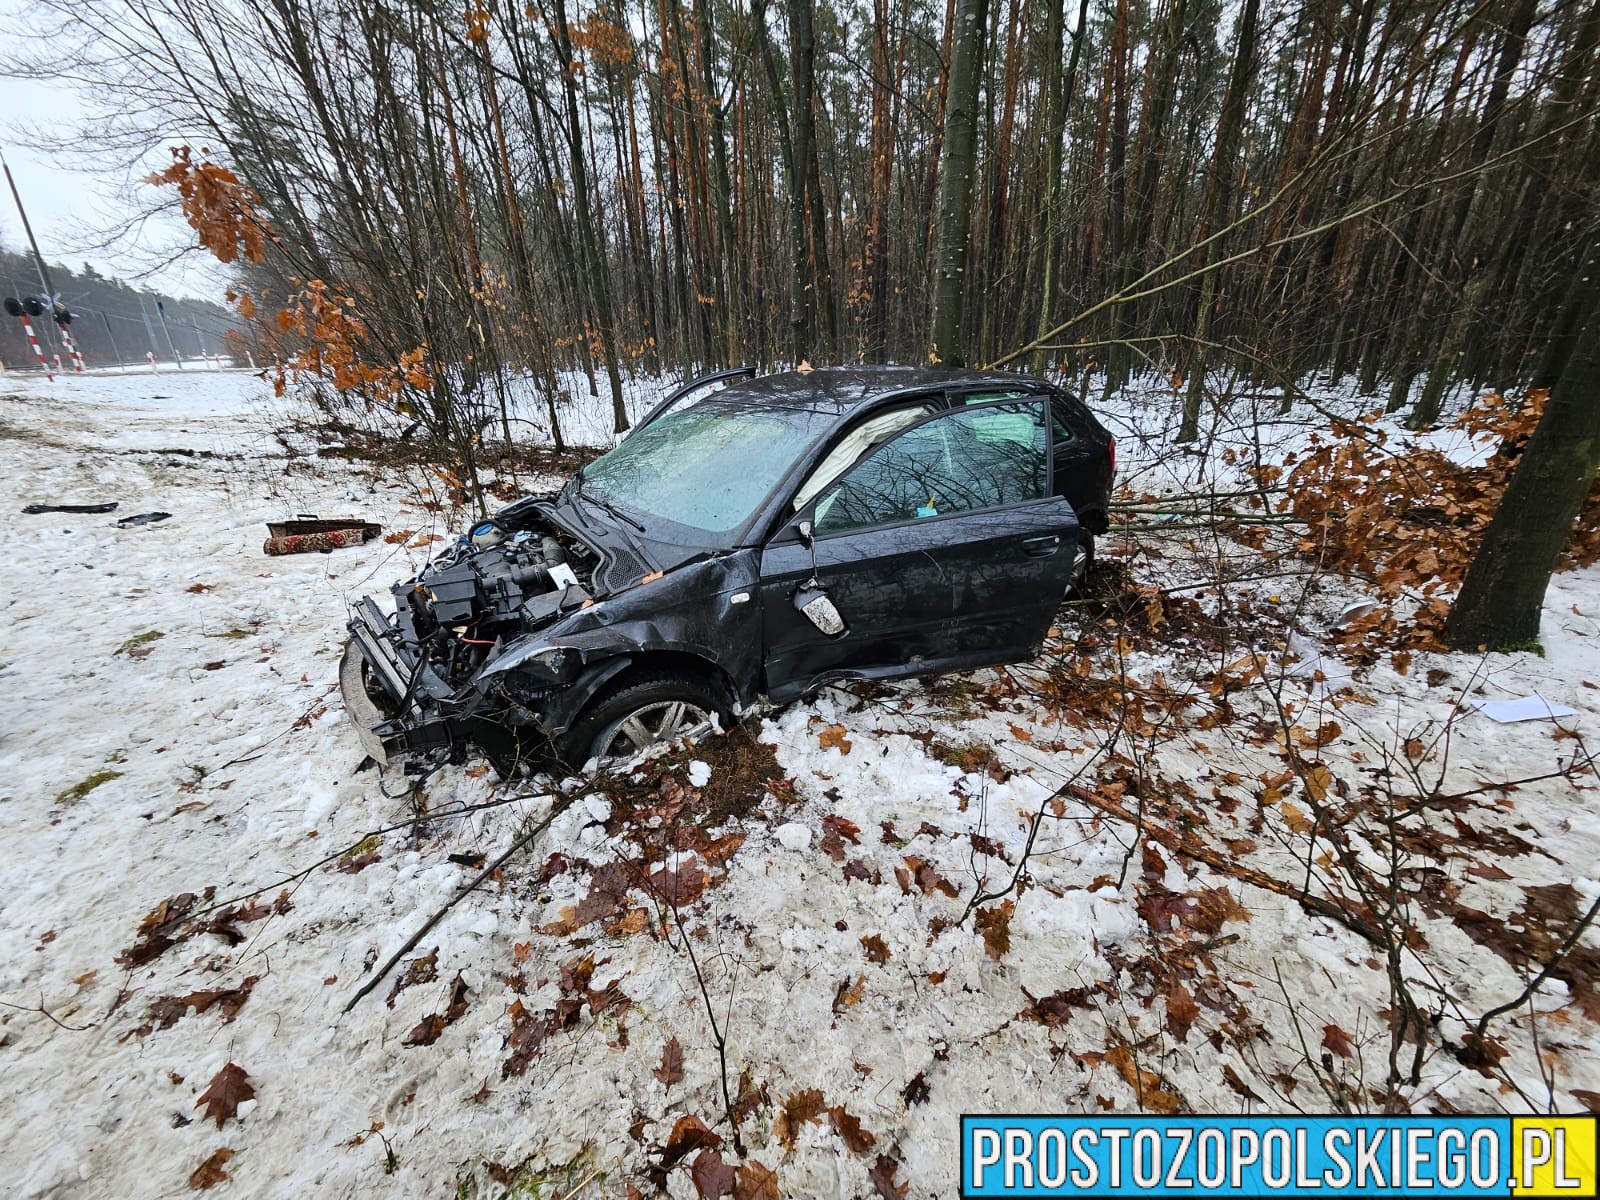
745 545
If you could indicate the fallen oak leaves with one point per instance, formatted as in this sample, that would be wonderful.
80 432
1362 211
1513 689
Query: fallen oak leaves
228 1089
167 1011
690 1133
431 1026
210 1173
856 1139
833 738
848 994
927 879
671 1069
994 923
1351 916
1153 1092
422 969
164 926
529 1030
884 1177
800 1108
837 830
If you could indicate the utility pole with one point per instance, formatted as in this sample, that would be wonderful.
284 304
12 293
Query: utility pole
149 333
112 338
161 312
27 227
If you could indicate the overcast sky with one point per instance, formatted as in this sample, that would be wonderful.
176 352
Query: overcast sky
73 200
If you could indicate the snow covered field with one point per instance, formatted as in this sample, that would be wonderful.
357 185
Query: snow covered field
171 734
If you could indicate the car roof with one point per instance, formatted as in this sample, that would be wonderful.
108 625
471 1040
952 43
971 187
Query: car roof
841 390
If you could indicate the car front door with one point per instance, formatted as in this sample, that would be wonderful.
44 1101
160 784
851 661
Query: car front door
942 548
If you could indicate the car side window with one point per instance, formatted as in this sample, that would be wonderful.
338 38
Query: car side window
1060 429
869 433
962 460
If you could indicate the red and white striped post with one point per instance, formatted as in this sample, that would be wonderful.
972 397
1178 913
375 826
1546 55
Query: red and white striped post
72 347
150 357
33 340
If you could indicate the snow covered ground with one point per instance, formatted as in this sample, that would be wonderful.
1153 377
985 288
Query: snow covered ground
172 744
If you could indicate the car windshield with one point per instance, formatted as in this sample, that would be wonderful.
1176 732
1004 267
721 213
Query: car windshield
705 467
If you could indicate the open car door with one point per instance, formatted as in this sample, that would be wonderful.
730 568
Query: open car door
942 548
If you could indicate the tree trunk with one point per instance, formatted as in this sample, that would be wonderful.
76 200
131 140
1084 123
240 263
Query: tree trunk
1217 206
1501 598
970 30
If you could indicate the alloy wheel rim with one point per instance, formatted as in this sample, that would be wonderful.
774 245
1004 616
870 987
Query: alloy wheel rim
653 724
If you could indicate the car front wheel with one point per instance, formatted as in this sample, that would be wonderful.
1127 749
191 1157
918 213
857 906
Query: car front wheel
642 712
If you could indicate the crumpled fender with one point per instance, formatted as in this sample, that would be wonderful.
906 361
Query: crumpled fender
693 610
563 707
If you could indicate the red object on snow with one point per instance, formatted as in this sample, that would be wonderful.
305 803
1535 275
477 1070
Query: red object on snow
316 535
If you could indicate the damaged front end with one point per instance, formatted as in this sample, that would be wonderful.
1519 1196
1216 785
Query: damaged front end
433 676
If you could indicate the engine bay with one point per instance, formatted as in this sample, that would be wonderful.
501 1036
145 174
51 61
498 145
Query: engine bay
507 576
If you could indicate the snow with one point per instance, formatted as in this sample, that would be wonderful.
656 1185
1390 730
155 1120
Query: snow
216 756
794 836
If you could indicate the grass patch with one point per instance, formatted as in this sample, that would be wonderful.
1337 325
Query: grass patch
139 644
234 633
86 785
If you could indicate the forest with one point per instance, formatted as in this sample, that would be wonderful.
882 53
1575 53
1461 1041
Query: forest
1394 192
113 322
1290 808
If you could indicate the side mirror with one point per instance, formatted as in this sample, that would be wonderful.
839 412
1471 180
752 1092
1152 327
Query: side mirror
819 608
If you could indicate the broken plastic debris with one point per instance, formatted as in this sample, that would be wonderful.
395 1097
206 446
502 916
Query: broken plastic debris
149 518
1523 708
35 509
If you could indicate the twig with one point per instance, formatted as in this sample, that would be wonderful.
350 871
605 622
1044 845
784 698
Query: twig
40 1008
560 806
717 1036
1568 943
1186 848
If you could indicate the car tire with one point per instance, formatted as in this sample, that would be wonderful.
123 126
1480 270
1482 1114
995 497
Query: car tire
653 700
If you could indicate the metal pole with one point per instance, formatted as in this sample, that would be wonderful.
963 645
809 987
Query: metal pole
161 312
112 338
149 333
38 259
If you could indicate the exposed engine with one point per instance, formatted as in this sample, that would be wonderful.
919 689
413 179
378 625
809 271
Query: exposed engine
506 577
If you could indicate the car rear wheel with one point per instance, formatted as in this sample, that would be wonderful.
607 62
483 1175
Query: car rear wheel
642 712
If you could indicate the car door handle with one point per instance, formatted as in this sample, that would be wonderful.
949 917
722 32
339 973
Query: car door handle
1041 547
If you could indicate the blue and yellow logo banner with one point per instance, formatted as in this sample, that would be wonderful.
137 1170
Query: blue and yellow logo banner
1278 1156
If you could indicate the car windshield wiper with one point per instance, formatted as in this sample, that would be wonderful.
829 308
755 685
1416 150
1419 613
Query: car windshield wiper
602 502
616 514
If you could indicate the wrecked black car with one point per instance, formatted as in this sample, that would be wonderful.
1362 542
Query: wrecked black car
742 546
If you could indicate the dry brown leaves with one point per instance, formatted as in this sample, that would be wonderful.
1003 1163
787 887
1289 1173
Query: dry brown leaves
210 1173
228 1089
994 923
1411 519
